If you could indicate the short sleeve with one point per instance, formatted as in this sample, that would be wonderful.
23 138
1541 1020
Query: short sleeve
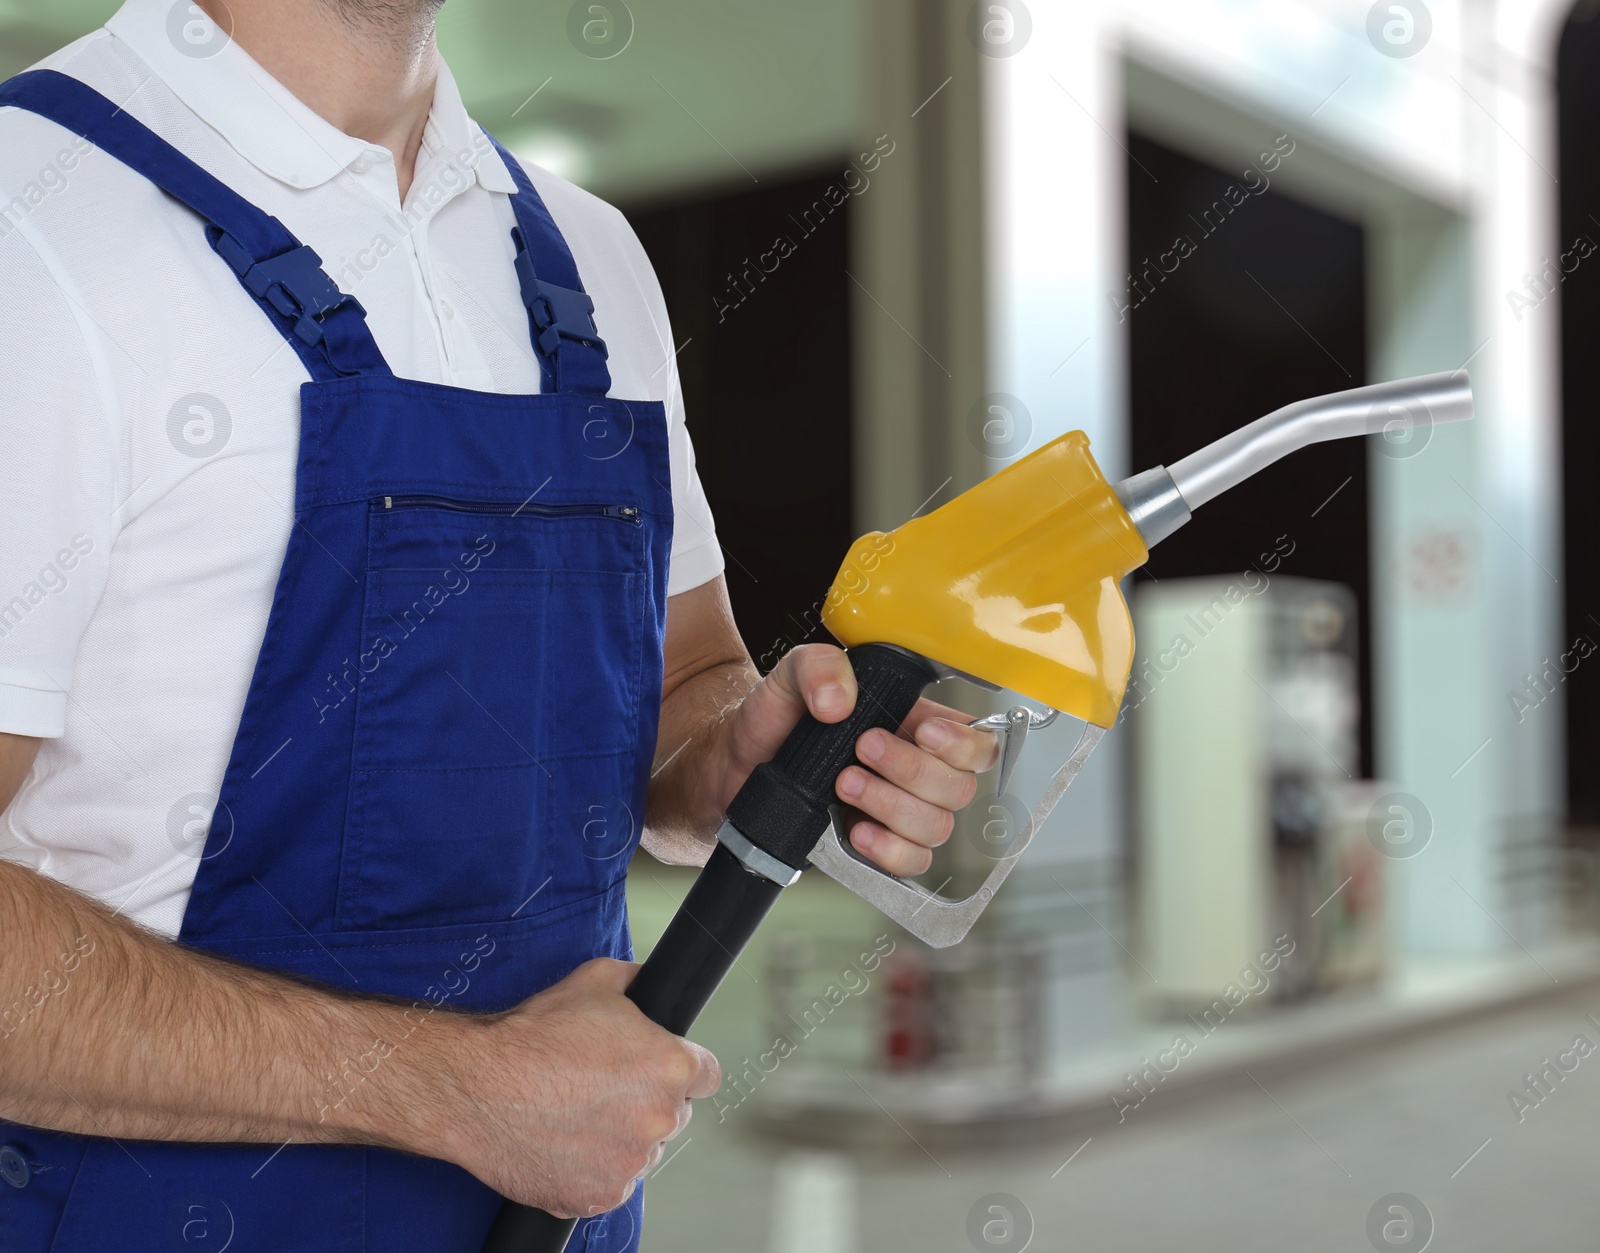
57 461
696 554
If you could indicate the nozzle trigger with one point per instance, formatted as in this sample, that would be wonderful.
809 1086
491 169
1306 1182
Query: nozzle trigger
1012 727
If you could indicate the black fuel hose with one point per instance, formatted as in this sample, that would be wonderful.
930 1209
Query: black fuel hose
782 809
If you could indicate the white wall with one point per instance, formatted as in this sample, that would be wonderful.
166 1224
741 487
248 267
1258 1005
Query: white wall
1439 154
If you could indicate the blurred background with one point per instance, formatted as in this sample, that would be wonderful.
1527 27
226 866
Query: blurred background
1307 959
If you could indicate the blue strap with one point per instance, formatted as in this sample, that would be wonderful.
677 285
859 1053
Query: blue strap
324 325
572 356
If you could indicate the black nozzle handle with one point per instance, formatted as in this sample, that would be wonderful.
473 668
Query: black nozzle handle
782 809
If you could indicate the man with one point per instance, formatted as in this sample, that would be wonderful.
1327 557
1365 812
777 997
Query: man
338 644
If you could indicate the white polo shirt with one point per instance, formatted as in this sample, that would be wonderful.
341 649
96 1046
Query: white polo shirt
149 416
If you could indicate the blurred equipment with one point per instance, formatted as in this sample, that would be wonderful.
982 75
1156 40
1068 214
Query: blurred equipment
954 1038
1354 930
1013 584
971 1013
1250 826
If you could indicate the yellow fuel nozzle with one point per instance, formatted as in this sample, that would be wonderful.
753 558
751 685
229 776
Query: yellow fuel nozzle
1016 581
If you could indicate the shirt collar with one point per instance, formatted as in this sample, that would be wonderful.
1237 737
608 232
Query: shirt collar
267 124
457 139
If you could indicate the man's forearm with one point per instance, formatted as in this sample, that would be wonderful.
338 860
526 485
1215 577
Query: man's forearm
107 1029
708 673
685 804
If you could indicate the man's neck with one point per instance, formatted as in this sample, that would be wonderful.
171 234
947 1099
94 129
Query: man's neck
366 66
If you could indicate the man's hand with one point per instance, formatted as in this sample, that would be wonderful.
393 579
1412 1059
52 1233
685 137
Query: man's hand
578 1093
914 782
719 721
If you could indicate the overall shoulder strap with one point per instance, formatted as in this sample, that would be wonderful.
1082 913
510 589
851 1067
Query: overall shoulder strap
572 356
324 325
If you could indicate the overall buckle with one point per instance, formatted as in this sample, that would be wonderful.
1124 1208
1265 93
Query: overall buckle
558 312
294 283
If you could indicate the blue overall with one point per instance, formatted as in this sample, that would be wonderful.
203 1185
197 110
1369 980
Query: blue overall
440 772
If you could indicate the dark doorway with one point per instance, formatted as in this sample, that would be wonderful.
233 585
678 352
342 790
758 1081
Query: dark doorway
1240 300
756 287
1578 114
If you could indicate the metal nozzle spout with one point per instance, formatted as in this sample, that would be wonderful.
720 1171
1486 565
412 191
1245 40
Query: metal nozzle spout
1154 503
1405 404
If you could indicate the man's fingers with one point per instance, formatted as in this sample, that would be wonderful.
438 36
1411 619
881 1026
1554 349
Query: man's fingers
819 677
707 1077
953 742
896 855
825 681
913 789
905 815
917 770
607 972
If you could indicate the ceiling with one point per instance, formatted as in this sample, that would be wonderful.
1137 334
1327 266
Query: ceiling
704 92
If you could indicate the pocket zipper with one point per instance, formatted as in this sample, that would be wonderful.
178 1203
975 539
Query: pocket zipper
623 513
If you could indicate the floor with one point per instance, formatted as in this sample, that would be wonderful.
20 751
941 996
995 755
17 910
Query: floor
1312 1163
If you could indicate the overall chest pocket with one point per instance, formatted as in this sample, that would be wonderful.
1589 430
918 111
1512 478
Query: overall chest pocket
499 684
